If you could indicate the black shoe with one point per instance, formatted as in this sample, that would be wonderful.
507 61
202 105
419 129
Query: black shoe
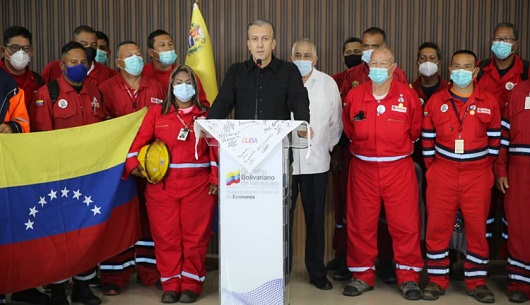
342 274
188 296
322 283
482 294
81 293
95 282
356 287
58 294
336 263
410 291
170 297
517 296
387 273
31 296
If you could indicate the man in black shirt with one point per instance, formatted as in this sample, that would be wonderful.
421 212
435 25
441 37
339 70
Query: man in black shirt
262 87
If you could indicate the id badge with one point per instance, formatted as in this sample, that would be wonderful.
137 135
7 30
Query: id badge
527 103
183 134
459 146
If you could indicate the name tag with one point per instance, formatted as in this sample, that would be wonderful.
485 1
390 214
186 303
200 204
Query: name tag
399 109
459 146
155 100
483 110
527 103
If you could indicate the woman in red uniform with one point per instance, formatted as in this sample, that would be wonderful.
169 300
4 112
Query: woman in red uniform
181 207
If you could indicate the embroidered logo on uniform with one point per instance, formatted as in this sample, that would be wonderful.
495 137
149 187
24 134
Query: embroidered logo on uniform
426 113
399 108
39 103
354 84
483 110
155 100
62 103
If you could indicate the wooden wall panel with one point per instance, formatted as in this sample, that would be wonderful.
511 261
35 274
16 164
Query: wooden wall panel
453 24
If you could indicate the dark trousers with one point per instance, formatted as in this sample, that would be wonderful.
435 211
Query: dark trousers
313 191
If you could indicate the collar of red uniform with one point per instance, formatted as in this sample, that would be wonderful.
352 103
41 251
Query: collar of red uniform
124 85
477 95
517 65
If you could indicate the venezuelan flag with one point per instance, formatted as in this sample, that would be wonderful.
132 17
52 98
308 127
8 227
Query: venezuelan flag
233 177
63 205
200 54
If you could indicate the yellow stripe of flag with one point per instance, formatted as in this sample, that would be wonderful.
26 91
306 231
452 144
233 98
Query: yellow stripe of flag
200 54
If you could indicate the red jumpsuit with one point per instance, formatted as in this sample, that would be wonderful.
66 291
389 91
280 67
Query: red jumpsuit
121 100
459 178
163 78
382 135
99 74
180 209
29 82
69 110
500 87
514 163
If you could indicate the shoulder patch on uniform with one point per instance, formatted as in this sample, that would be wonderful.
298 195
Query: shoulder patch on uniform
155 100
39 103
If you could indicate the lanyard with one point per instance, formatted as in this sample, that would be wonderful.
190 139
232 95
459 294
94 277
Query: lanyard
133 96
460 120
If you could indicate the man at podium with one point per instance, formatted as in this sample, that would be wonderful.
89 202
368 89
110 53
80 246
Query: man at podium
262 87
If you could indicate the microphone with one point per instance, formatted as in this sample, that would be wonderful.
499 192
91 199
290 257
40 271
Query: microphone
258 64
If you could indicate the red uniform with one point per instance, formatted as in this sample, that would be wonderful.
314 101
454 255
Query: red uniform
121 100
459 176
339 77
96 76
500 87
29 82
382 133
180 209
359 75
69 110
514 163
163 78
442 84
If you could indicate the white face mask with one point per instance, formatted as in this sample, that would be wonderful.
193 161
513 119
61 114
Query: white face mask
19 60
366 55
428 68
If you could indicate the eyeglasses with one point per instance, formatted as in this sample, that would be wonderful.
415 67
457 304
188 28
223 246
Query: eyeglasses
505 39
15 48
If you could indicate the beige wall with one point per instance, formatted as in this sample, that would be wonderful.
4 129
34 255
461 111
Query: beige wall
453 24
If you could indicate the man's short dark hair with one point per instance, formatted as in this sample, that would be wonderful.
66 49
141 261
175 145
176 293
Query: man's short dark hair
14 31
126 42
71 46
508 25
468 52
260 22
82 29
374 31
350 40
431 45
103 36
152 36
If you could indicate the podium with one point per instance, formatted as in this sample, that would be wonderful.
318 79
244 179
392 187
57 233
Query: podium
254 206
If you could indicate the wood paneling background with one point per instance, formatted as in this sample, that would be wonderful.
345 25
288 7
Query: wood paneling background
453 24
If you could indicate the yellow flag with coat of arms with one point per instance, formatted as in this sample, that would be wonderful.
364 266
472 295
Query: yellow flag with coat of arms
200 54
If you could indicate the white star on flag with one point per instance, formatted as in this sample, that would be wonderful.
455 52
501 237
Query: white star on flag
29 224
33 211
96 210
42 201
77 194
52 194
64 192
88 200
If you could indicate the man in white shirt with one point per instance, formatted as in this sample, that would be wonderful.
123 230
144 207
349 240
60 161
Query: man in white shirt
310 177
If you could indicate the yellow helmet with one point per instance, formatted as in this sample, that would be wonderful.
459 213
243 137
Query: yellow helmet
155 160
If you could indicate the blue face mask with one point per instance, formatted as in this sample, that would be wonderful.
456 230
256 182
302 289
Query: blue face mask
167 57
101 56
183 92
378 75
461 78
501 49
76 73
366 55
304 66
134 65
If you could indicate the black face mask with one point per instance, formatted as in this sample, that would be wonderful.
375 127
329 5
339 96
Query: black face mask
352 60
90 54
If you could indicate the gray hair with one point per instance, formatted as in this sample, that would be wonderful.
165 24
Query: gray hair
260 22
305 41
